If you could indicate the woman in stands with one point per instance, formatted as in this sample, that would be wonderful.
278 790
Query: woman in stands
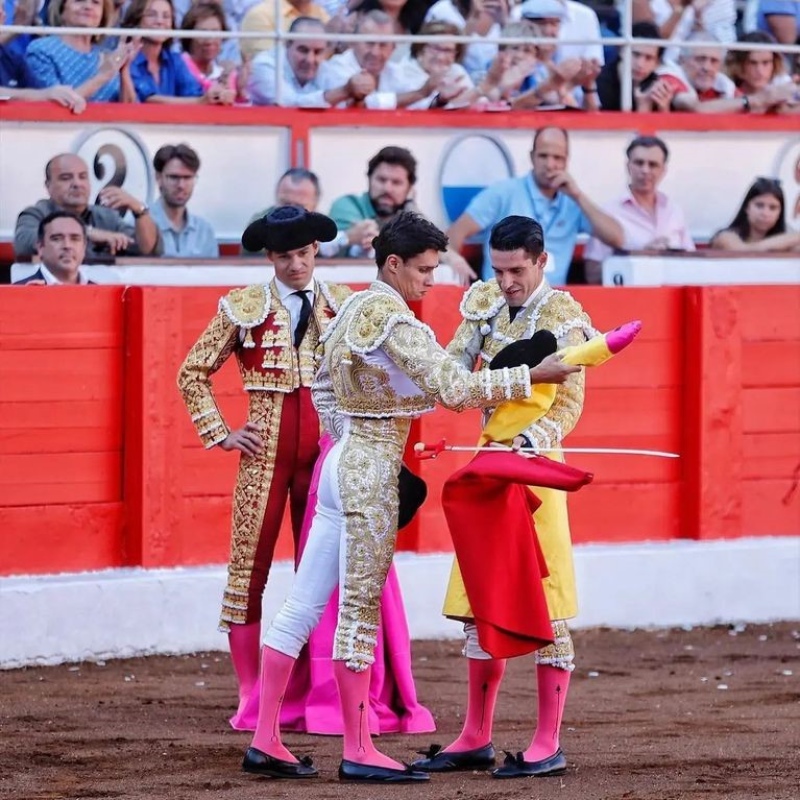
78 60
753 70
760 225
439 63
202 56
408 16
159 74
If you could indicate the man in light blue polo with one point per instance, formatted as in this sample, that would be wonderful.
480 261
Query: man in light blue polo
548 194
185 234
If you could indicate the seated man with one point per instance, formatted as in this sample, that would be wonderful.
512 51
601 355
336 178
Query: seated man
300 82
61 246
300 187
385 84
185 234
649 219
391 174
67 184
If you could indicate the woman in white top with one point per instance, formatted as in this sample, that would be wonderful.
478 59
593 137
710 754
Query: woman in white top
438 63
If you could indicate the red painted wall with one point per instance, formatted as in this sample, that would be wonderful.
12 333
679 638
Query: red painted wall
100 466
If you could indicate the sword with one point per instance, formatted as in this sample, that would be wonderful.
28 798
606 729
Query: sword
425 451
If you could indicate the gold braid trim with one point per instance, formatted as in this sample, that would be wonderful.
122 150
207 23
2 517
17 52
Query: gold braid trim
247 308
482 301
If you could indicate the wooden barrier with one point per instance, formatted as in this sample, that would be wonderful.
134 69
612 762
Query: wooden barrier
100 466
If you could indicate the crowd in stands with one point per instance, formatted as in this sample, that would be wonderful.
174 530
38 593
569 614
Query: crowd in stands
66 229
710 76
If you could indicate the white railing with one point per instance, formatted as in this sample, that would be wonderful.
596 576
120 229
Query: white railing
624 42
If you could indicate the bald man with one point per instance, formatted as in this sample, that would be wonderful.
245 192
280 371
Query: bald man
548 194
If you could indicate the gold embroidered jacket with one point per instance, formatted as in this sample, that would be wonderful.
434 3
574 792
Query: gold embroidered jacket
487 328
379 360
255 325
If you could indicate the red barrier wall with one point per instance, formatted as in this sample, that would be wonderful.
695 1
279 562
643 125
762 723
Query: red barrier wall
100 466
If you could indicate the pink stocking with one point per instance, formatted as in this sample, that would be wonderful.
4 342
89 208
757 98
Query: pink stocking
354 695
553 684
244 642
483 685
276 667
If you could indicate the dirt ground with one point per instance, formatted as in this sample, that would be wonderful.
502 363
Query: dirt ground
651 715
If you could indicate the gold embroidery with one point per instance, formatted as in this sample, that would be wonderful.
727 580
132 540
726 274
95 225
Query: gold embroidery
366 328
367 477
246 307
561 653
482 300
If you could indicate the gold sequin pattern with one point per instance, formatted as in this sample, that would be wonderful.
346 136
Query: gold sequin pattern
368 471
560 654
249 504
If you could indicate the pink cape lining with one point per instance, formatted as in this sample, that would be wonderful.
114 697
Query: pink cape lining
311 703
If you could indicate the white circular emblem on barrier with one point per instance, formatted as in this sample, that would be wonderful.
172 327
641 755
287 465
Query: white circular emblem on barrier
116 157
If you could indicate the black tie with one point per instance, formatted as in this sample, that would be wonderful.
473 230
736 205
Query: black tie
513 311
305 315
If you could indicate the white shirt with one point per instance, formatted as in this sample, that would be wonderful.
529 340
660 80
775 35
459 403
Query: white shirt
338 69
478 55
413 73
261 84
292 303
580 22
718 19
51 279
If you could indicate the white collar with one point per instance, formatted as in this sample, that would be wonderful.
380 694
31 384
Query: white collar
539 290
51 279
284 291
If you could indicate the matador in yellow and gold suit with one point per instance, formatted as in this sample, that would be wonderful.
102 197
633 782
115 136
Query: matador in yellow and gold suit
273 331
489 324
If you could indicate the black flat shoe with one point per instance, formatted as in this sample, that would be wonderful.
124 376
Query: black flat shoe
515 766
436 760
364 773
257 763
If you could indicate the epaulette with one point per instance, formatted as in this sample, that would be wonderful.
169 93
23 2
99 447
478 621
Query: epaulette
248 307
335 294
373 322
482 301
564 314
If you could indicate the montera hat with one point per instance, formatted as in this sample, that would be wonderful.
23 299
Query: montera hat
526 351
285 228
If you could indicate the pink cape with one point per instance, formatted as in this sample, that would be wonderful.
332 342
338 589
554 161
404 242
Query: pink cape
311 703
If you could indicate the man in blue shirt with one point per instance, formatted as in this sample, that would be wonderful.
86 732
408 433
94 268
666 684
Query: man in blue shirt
185 234
548 194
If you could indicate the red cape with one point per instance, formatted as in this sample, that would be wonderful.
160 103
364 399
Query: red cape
489 511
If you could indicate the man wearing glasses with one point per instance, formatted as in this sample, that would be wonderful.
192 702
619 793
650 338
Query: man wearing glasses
185 234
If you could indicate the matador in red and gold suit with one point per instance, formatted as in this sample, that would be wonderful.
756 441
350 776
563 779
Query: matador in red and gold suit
273 330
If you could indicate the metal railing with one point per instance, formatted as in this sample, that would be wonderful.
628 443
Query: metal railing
625 42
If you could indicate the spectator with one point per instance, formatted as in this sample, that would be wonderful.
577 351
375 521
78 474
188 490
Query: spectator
392 173
67 184
760 223
781 18
261 17
754 70
185 234
716 92
649 219
676 19
567 82
202 56
548 194
78 61
655 87
13 45
61 246
511 67
300 187
301 85
408 17
440 62
159 73
579 24
368 62
481 19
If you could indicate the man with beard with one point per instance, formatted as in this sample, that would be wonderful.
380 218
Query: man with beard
392 173
185 234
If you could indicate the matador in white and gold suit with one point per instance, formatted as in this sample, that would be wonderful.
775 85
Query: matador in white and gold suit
380 369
